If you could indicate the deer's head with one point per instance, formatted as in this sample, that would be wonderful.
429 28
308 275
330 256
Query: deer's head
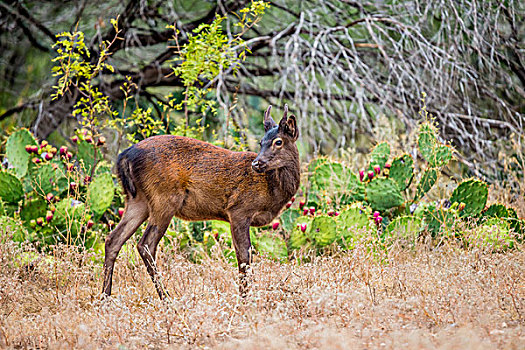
278 146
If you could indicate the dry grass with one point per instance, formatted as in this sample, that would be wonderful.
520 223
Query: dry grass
424 298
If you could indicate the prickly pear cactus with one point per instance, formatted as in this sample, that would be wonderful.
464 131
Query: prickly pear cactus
68 218
288 218
402 171
44 179
383 194
327 175
428 179
496 210
100 194
473 193
298 238
32 210
323 230
272 245
16 151
352 219
434 152
86 156
11 190
406 227
495 233
379 155
439 220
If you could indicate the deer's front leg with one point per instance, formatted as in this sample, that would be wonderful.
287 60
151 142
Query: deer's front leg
240 229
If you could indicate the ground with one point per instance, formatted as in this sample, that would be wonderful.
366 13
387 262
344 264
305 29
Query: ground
424 297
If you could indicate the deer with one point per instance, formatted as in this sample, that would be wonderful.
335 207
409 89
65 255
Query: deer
168 176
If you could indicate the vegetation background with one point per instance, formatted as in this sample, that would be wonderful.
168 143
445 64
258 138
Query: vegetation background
92 77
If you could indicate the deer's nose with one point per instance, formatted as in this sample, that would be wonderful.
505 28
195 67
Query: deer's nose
258 165
255 163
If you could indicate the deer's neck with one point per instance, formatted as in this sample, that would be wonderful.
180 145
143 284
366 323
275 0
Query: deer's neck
284 182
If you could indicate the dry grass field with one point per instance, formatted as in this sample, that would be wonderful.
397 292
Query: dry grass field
445 297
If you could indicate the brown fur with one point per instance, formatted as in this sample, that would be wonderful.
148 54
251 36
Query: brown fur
166 176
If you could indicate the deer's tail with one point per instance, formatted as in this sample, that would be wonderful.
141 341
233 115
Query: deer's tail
125 173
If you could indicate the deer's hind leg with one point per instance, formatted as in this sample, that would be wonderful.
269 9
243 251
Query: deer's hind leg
136 212
158 224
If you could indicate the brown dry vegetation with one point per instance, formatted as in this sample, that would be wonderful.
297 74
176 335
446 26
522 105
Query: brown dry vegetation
445 297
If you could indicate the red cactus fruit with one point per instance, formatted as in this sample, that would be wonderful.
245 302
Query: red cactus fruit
370 175
288 205
301 204
88 139
43 144
40 221
120 212
377 169
34 149
361 175
63 150
275 225
293 199
74 138
90 224
48 156
303 227
29 149
36 160
387 166
72 185
101 141
306 211
312 210
49 197
49 216
376 214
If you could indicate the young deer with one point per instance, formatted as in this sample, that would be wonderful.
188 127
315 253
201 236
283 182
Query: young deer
166 176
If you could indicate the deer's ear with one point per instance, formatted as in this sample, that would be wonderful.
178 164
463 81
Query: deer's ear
269 123
288 125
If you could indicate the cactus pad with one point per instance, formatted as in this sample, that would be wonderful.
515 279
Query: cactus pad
407 227
473 193
495 233
11 190
16 150
323 230
100 194
434 152
44 179
402 171
428 179
496 210
272 245
351 219
383 194
68 218
33 210
288 218
439 220
379 155
86 156
298 238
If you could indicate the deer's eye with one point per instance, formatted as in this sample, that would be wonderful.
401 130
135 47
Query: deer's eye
278 142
